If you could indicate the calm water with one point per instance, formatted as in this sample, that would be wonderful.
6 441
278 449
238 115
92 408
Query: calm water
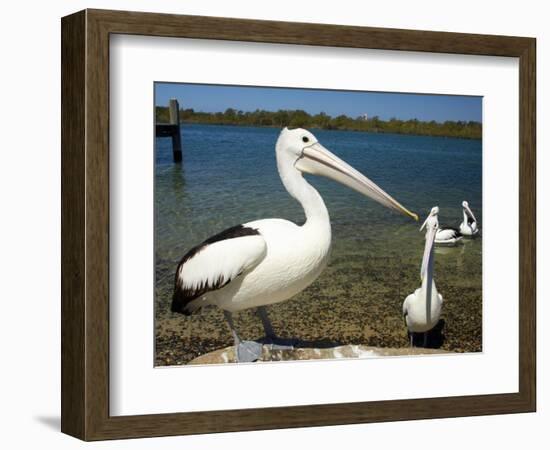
229 176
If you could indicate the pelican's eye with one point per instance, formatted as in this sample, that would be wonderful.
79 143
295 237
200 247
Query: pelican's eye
305 139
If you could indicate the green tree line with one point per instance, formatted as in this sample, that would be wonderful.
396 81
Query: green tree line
301 119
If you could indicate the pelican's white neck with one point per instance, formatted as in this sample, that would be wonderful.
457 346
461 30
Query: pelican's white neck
427 279
314 207
464 216
428 285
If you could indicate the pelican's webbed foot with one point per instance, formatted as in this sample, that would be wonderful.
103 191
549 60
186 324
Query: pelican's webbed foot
248 351
271 339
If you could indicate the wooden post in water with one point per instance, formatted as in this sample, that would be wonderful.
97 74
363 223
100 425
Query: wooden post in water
176 136
172 130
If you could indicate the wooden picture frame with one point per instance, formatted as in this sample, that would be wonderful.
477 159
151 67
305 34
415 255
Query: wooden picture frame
85 224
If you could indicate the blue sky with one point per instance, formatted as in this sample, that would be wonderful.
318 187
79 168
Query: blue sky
214 98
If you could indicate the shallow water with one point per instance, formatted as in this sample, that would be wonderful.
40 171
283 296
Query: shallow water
229 176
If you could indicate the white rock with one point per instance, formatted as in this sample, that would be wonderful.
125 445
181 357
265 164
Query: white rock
299 354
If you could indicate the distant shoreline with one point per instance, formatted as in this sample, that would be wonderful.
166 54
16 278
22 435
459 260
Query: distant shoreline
314 127
301 119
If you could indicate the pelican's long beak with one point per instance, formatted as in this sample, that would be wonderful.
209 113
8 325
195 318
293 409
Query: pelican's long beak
470 213
317 160
430 239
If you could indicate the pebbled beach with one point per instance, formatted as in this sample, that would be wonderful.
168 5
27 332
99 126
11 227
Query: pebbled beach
357 300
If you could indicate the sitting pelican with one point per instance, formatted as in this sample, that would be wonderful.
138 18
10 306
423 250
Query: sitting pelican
269 261
447 236
468 227
421 310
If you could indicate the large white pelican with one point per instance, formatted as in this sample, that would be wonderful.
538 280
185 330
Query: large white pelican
468 227
268 261
422 309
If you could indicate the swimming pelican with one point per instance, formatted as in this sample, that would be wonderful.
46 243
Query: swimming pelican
422 309
269 261
468 227
447 236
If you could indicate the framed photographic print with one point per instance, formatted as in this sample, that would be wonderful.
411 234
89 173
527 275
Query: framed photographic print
270 224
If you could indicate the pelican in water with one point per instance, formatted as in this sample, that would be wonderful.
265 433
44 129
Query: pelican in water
269 261
448 236
468 227
422 309
445 236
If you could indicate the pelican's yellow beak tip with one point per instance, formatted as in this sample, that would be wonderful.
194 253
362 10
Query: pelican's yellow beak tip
414 216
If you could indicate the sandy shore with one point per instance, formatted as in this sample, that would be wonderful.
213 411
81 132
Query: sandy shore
357 300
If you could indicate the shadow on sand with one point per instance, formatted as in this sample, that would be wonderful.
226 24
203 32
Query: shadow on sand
435 338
